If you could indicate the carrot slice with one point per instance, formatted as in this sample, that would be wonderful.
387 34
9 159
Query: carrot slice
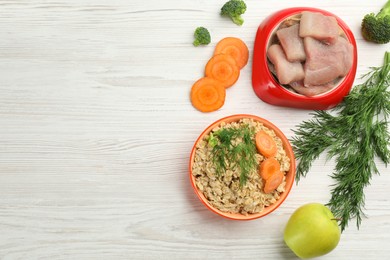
234 47
269 167
207 94
223 68
265 144
273 182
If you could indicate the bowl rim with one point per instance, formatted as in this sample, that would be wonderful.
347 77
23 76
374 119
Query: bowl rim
289 181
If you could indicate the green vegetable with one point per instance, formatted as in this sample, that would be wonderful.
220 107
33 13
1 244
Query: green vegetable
202 36
234 9
213 141
226 149
354 133
376 28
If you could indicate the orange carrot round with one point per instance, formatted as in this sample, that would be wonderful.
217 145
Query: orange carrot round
273 182
234 47
207 94
265 144
269 167
223 68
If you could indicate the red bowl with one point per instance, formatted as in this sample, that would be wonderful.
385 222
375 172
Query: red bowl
290 176
266 86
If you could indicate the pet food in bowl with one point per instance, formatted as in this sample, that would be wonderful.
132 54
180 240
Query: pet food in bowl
242 167
304 58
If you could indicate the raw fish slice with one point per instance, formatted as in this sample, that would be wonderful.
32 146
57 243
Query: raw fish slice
324 63
312 90
319 26
347 55
286 71
291 42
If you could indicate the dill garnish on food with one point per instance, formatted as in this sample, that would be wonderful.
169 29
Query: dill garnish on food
234 146
354 133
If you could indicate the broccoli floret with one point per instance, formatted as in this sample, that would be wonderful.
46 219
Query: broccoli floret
202 36
376 28
234 9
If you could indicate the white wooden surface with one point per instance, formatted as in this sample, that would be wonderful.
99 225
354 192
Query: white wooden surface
96 128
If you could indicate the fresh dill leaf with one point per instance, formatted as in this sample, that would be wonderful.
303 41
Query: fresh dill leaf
234 148
314 131
380 136
353 133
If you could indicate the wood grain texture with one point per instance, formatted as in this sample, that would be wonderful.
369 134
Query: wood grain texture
96 128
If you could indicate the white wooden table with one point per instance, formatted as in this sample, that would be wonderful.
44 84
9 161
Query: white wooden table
96 128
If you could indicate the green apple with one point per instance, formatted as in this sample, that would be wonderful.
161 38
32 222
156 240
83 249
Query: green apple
312 231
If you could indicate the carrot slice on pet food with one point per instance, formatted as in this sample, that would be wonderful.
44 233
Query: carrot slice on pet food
223 68
269 167
273 182
234 47
207 94
265 144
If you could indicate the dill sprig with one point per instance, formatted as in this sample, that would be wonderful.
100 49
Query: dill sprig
354 133
234 148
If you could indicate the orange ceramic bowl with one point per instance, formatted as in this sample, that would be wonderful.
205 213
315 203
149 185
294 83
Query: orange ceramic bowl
290 176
